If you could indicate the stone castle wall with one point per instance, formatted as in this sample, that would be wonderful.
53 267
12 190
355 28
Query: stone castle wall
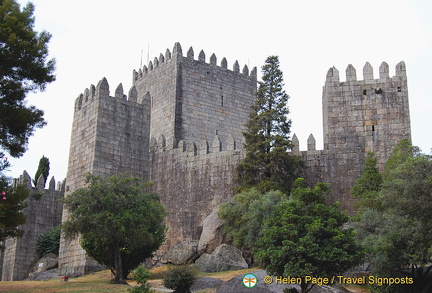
192 180
181 127
359 116
43 213
171 102
215 100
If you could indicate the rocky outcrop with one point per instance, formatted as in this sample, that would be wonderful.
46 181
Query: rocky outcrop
45 268
224 258
179 254
211 236
235 285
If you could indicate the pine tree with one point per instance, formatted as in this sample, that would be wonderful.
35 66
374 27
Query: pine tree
368 185
43 169
268 165
24 67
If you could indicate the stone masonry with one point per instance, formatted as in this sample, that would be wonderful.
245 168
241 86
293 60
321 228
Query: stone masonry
181 125
360 116
43 213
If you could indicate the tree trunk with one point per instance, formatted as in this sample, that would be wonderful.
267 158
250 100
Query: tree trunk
118 277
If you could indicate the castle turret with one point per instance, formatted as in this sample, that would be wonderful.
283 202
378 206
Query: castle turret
360 116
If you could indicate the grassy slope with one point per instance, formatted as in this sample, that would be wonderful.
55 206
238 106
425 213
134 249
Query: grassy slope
97 282
100 282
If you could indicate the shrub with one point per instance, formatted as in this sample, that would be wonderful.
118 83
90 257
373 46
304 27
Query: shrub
141 276
180 278
48 242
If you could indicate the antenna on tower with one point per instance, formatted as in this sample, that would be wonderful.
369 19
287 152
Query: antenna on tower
141 58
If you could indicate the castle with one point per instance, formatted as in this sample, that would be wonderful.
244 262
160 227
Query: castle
181 125
43 213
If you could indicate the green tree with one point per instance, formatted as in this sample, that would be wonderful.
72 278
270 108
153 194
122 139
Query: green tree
368 184
297 235
396 230
244 214
117 221
268 164
11 204
43 169
24 67
307 237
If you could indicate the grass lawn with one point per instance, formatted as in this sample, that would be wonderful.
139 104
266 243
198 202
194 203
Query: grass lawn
100 282
97 282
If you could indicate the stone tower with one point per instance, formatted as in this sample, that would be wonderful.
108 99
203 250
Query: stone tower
359 116
180 126
368 115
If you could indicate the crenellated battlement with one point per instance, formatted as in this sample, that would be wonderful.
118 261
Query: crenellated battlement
311 143
361 116
26 180
368 75
194 148
177 54
102 90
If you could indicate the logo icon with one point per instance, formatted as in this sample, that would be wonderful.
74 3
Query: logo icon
249 280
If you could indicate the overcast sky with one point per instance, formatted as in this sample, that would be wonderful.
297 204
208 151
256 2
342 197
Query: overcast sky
92 39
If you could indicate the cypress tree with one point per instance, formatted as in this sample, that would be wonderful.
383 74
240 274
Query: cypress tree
268 165
43 169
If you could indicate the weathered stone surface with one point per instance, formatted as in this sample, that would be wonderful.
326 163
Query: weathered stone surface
47 262
224 258
205 283
46 275
179 254
211 236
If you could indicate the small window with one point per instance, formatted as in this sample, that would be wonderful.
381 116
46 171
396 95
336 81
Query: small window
399 89
364 92
373 132
222 100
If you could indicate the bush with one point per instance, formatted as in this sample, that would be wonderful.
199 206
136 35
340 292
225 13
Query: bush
48 242
141 276
180 278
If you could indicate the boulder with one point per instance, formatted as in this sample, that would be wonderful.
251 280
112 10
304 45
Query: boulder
46 275
179 254
224 258
235 285
45 263
206 283
211 235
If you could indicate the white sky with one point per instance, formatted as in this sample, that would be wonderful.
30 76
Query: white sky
94 39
